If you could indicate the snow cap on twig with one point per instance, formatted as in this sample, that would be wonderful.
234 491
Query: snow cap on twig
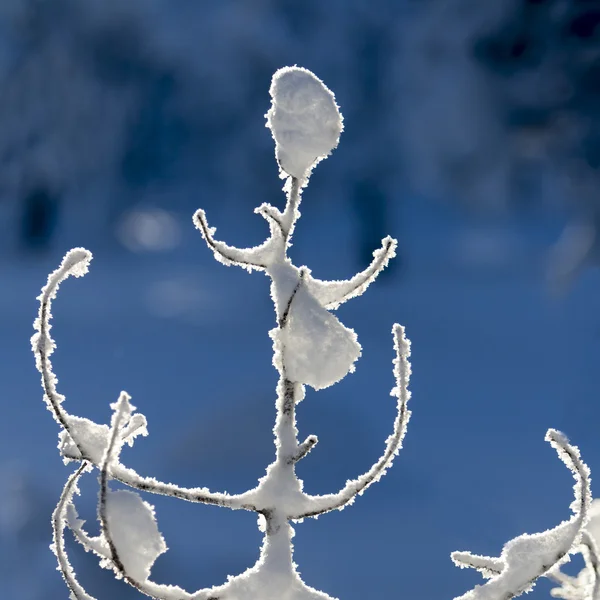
304 119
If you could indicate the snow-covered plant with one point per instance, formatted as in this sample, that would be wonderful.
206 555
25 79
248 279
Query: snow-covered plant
311 347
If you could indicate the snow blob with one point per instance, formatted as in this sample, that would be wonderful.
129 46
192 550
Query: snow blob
304 119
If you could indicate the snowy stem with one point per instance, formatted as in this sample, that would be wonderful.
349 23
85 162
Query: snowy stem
58 526
278 548
329 502
291 213
590 555
74 263
103 501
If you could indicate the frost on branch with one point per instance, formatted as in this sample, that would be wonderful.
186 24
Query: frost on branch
319 350
526 558
586 585
311 347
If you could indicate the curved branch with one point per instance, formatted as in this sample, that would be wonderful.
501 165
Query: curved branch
586 586
319 505
75 263
291 213
58 527
333 293
592 561
148 588
581 473
488 566
528 557
114 556
303 449
247 258
201 495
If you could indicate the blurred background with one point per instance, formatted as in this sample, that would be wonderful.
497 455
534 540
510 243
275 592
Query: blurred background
472 134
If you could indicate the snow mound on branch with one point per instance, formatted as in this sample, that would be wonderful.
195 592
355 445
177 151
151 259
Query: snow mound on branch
304 119
134 533
318 349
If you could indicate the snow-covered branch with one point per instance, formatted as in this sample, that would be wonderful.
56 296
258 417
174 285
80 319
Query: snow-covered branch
310 347
249 258
528 557
329 502
331 294
586 585
82 439
58 527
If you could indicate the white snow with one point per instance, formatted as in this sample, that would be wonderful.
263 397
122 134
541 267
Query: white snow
134 532
312 347
304 120
317 350
529 556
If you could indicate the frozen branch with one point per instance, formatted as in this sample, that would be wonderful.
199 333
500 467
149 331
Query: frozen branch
486 565
592 562
126 557
586 585
333 293
75 263
304 448
118 417
99 547
247 258
311 347
84 440
58 527
322 504
291 213
273 249
526 558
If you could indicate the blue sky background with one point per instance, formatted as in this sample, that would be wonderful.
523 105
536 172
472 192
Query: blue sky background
498 355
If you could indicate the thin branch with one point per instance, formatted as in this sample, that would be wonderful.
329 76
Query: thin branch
270 214
488 566
247 258
99 547
201 495
291 213
284 317
89 543
571 457
114 447
303 449
151 485
58 527
148 588
592 561
528 557
329 502
104 475
74 263
561 578
333 293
